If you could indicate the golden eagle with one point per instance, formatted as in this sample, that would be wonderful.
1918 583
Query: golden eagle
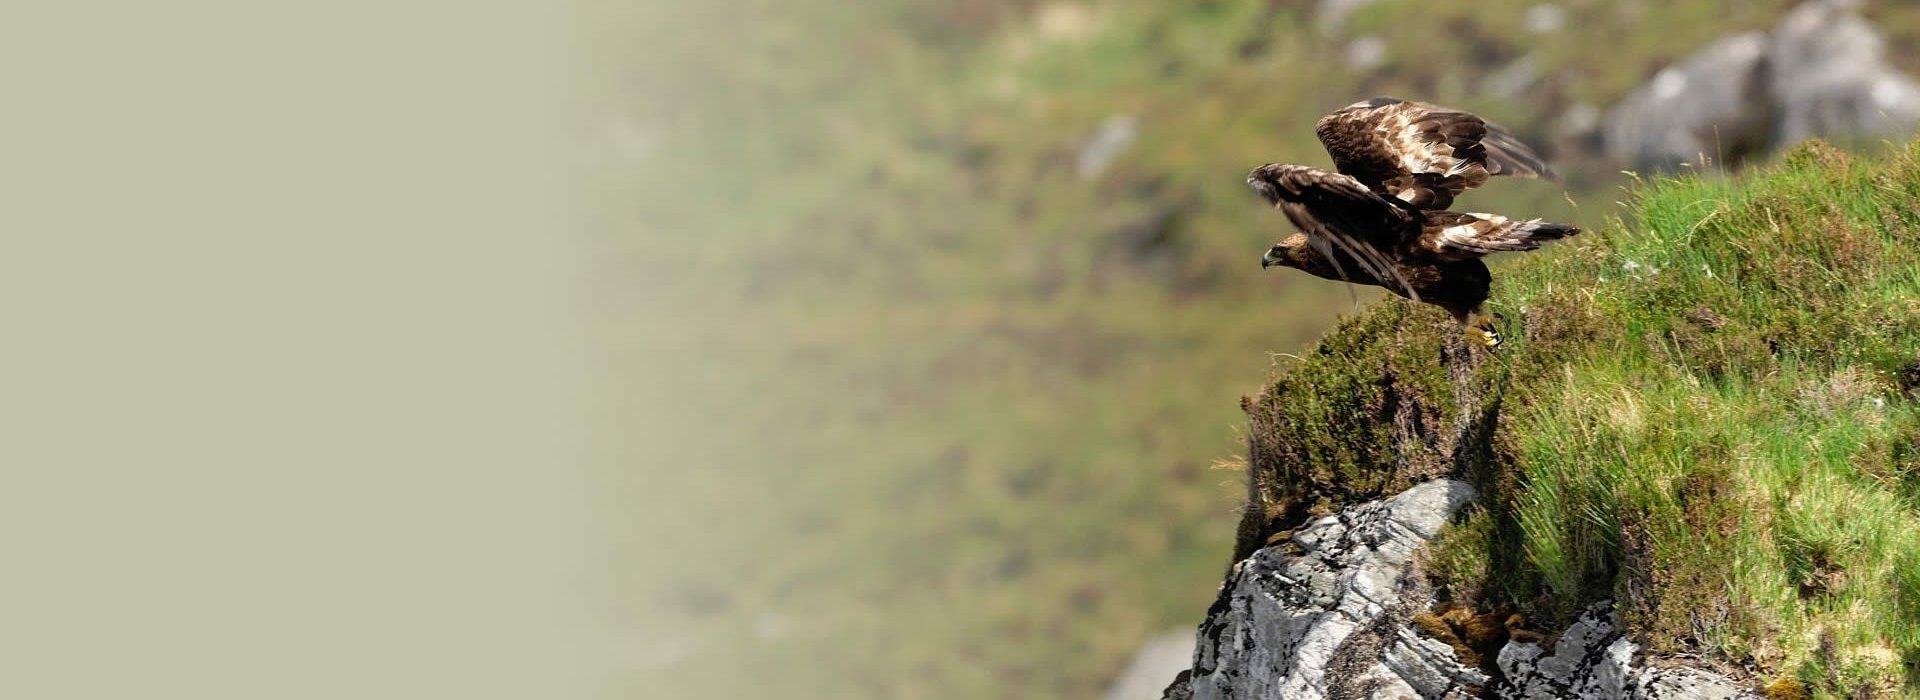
1382 219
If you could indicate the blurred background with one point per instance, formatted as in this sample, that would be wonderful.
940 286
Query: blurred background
928 320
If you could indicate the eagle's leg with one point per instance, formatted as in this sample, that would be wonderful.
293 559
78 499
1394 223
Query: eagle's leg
1478 325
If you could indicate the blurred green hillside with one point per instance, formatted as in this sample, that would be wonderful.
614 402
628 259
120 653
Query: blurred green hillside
916 405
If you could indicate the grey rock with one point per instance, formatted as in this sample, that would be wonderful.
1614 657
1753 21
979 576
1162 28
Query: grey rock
1419 666
1594 660
1713 103
1829 75
1821 72
1107 143
1328 614
1282 617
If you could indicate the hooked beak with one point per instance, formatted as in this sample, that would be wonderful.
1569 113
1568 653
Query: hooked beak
1267 261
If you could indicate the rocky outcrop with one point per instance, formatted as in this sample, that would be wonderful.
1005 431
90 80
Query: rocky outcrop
1323 614
1821 72
1592 659
1329 612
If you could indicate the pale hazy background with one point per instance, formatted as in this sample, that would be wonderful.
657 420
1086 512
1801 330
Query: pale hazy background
294 367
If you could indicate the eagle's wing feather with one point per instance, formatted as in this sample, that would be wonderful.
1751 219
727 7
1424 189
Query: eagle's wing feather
1460 236
1422 153
1337 212
1506 155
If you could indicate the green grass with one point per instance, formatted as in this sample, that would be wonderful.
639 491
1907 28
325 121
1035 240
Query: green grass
1735 452
1707 414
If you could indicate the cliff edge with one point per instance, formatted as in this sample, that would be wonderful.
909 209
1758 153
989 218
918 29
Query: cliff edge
1694 471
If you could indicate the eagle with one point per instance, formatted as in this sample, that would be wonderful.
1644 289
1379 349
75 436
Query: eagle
1383 219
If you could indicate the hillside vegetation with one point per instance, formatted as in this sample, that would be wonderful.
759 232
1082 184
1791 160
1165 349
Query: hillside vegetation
1710 414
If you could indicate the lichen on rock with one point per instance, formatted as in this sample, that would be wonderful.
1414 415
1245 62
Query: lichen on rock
1304 618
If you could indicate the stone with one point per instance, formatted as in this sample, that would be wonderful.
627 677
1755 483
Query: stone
1829 76
1594 660
1821 72
1281 618
1714 103
1107 143
1328 613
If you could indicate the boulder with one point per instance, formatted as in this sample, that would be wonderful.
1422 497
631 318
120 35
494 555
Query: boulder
1821 72
1714 103
1829 76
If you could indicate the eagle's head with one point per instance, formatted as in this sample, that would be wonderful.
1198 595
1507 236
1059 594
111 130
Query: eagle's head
1283 254
1277 256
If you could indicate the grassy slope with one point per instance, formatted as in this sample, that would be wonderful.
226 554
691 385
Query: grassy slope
870 324
1709 415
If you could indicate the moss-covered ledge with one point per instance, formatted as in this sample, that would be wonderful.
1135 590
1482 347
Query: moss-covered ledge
1389 399
1707 414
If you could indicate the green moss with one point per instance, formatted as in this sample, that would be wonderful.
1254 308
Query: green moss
1458 555
1383 402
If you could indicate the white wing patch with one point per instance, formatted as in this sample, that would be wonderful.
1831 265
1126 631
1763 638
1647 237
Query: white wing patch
1480 234
1487 223
1418 155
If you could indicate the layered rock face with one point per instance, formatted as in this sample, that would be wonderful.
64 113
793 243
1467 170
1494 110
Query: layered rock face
1328 612
1592 659
1303 619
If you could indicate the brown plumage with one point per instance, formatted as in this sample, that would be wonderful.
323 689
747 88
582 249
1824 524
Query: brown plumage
1421 153
1381 220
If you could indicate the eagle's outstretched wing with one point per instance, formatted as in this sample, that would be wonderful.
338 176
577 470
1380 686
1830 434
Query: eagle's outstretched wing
1457 236
1337 212
1422 153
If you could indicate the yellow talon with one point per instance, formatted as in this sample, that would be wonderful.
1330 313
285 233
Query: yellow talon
1481 332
